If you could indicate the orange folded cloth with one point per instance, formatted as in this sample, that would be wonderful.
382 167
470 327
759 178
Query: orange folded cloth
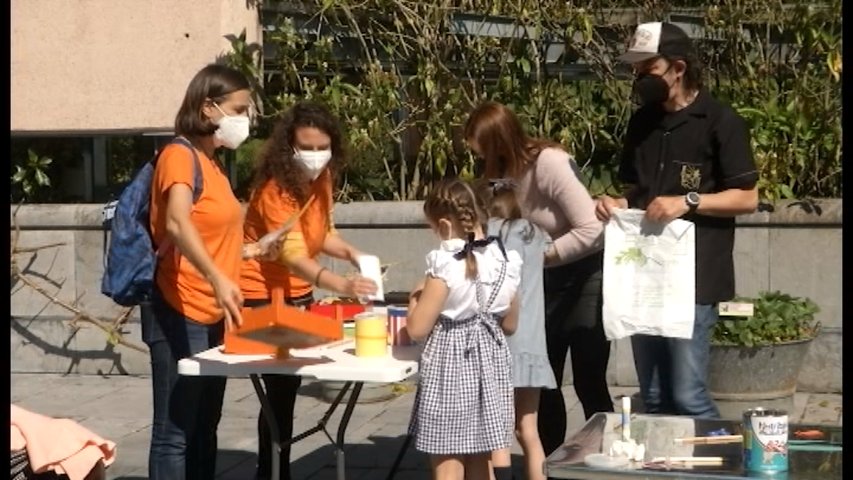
59 444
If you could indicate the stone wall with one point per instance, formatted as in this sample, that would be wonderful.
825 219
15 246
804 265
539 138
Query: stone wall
788 250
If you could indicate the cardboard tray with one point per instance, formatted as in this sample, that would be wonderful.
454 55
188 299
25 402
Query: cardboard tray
276 328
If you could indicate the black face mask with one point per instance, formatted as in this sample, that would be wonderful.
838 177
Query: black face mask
650 89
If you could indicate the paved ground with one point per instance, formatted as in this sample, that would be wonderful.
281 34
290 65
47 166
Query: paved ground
119 408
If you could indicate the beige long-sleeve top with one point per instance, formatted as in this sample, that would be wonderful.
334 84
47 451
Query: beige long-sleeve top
552 196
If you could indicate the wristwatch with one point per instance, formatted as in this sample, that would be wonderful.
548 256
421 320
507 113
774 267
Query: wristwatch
692 201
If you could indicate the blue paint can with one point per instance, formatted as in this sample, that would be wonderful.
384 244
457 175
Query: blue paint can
765 440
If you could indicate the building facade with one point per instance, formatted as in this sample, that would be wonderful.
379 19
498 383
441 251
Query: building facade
95 79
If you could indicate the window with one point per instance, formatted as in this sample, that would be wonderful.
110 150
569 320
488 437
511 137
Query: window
77 169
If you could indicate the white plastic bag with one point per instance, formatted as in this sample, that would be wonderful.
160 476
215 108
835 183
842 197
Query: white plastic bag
649 276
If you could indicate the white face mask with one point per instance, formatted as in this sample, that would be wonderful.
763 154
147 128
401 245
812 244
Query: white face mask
233 130
313 161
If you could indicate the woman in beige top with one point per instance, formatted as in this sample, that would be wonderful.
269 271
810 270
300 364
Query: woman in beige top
551 195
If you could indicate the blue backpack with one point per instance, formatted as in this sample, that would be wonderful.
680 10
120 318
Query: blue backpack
130 261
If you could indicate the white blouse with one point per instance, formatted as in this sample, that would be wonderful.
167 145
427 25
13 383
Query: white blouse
462 297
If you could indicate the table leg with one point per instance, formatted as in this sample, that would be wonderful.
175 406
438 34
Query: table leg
277 444
321 425
342 429
269 414
397 461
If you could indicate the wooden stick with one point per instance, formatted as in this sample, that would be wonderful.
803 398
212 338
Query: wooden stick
113 331
710 440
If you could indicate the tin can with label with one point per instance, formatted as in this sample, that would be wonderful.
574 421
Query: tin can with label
765 440
397 332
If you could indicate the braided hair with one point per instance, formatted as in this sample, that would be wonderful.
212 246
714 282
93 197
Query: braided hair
454 200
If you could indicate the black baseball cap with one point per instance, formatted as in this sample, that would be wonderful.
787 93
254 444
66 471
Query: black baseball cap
655 39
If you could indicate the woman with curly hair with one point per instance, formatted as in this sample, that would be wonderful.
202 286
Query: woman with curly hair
295 170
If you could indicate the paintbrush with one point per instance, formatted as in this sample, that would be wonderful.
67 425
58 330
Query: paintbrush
709 440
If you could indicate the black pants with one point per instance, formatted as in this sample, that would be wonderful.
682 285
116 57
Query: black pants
573 322
281 391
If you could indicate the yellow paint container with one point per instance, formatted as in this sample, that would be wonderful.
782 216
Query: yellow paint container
371 336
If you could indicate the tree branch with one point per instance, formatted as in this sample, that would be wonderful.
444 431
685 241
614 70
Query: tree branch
112 329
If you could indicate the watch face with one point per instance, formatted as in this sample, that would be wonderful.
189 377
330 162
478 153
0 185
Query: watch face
693 198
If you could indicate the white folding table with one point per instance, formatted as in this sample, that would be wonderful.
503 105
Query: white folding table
331 362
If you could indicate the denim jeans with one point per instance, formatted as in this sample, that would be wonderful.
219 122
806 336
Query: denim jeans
281 391
673 372
186 409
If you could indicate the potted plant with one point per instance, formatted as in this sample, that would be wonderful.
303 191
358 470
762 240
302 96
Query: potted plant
755 360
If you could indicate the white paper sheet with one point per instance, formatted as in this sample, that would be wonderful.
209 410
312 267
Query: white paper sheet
371 268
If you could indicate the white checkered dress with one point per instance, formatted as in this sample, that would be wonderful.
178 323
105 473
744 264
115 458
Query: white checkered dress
464 403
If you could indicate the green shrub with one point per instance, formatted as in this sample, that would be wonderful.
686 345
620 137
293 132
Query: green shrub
402 81
777 318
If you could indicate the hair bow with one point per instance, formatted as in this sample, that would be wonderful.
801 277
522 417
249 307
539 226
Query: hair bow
471 244
502 184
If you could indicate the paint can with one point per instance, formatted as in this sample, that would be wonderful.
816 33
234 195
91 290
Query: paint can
371 335
765 441
397 332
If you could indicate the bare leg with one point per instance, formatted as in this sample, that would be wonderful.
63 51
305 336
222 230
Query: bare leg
499 459
447 467
527 431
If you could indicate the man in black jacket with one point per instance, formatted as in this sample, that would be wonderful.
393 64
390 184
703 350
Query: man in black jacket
688 156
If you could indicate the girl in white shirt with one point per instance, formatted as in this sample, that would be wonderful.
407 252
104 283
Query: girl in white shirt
463 408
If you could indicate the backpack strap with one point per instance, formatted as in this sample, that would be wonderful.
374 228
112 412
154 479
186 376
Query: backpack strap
198 184
107 214
198 181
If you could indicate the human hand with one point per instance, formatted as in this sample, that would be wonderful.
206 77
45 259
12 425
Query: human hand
419 286
230 299
666 209
250 250
415 294
551 255
360 287
605 204
267 253
272 252
269 246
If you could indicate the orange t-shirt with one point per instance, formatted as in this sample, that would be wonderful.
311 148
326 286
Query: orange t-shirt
217 216
269 208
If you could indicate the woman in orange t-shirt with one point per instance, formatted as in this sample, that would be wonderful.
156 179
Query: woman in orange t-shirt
296 166
197 272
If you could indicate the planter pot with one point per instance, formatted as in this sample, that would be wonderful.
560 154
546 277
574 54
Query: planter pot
740 377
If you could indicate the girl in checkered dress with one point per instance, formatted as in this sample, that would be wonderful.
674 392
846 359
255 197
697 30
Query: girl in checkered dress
462 311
